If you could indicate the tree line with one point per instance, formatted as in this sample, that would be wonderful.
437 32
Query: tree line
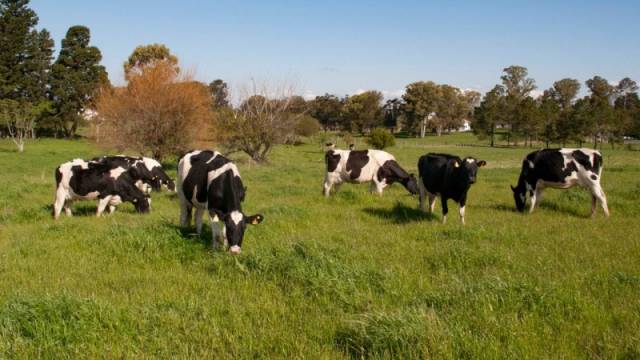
37 93
609 113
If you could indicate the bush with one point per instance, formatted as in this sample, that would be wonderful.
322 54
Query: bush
381 138
307 126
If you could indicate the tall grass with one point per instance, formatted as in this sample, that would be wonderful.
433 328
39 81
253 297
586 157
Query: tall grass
352 276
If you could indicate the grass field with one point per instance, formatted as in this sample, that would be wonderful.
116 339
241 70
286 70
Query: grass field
354 275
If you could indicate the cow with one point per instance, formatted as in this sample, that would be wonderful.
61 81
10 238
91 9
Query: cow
149 171
358 166
449 177
560 169
209 181
81 180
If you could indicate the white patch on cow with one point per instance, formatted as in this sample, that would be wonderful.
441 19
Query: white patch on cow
115 173
531 165
221 170
470 161
215 154
236 217
235 249
150 163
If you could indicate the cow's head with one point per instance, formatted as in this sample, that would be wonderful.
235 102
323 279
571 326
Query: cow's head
128 191
235 223
412 185
469 168
520 197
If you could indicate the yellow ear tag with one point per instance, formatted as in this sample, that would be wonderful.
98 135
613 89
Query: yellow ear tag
455 164
254 222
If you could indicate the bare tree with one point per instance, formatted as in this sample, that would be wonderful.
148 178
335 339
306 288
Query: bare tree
19 118
262 120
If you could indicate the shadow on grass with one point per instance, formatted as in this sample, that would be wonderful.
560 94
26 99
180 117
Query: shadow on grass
544 206
400 214
189 233
555 207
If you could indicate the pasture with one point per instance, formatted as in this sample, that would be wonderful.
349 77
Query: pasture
355 275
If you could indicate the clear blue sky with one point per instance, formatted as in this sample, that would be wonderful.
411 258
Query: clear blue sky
342 46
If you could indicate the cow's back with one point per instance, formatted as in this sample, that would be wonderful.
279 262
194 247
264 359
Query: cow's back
433 171
193 174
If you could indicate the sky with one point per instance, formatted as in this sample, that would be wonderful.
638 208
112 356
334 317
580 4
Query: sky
346 47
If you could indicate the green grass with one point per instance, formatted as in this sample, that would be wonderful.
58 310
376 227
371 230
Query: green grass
351 276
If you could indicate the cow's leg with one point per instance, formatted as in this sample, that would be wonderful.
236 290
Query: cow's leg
59 202
421 194
445 209
536 198
198 215
594 203
216 232
185 213
112 209
597 191
67 208
326 187
432 202
463 203
102 204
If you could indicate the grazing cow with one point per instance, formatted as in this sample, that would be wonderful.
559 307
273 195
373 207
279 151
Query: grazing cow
449 177
149 171
359 166
80 180
209 181
560 169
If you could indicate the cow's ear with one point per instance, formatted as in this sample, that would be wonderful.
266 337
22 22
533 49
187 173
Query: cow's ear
482 163
512 188
255 219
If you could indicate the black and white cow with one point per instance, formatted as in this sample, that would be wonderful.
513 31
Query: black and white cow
209 181
81 180
560 169
149 171
449 177
358 166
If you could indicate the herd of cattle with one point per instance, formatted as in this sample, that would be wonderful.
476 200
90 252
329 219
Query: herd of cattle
208 181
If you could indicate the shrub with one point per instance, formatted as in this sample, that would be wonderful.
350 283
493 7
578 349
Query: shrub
381 138
307 126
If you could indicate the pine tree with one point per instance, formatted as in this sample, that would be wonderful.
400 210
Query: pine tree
76 76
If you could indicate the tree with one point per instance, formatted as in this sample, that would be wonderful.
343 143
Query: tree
599 112
490 114
392 110
549 112
564 93
19 117
259 123
220 93
328 110
25 57
145 56
420 102
528 119
362 112
518 86
159 113
75 77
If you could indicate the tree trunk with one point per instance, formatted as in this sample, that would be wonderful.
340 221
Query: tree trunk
423 129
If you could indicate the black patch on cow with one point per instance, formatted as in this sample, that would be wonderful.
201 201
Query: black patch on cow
391 172
356 161
583 159
332 159
199 173
594 177
58 177
138 170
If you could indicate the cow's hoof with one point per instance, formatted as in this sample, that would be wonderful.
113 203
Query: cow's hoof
235 250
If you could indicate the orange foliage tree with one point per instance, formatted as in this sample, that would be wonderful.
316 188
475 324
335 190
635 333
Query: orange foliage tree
159 112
